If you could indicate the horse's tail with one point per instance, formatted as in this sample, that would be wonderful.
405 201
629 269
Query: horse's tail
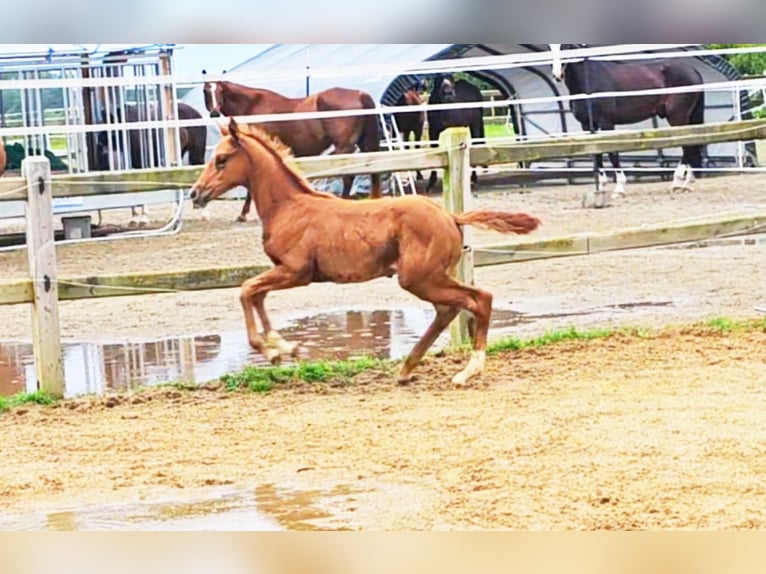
370 138
501 221
694 153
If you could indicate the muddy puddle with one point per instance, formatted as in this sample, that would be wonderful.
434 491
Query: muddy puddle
95 367
265 508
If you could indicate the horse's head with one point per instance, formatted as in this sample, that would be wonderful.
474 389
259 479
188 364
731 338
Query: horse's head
557 64
214 97
412 94
445 88
228 167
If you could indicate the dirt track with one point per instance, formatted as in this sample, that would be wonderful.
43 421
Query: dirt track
657 433
626 433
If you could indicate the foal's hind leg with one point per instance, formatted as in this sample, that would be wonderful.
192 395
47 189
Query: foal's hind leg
449 296
444 316
252 296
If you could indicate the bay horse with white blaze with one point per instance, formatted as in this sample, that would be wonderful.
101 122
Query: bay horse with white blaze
680 109
304 137
312 236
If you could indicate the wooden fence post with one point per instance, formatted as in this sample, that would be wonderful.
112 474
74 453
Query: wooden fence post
41 252
456 183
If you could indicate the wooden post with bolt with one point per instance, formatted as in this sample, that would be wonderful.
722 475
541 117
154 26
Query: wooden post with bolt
41 252
456 183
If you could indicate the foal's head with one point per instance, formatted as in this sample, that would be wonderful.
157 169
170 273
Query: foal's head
233 161
229 167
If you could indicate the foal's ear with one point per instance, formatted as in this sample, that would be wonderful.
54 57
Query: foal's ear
234 130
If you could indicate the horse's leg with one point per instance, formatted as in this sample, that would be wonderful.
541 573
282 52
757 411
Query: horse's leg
348 180
449 296
245 208
252 296
135 219
619 175
444 316
681 110
418 137
683 176
431 181
589 197
348 183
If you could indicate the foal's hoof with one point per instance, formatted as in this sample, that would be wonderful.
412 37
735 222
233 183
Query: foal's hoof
460 380
299 351
273 356
241 219
406 380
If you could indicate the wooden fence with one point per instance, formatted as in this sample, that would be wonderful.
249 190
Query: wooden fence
455 155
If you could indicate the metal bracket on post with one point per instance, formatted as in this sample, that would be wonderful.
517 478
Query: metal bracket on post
456 142
41 252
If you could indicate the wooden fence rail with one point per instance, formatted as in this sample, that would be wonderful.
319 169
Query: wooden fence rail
13 188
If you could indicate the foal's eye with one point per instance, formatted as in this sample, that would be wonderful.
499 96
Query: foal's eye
220 161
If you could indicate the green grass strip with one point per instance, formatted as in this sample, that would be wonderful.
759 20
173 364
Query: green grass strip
260 379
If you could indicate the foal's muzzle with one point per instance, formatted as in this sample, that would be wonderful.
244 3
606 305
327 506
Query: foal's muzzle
198 198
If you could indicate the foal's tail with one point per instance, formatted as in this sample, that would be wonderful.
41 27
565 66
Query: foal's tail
501 221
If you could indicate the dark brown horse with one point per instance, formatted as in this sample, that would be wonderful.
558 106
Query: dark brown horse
3 157
447 90
410 124
144 143
304 137
193 139
604 113
312 236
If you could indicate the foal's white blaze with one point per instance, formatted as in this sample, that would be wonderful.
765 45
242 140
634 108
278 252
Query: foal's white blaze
558 68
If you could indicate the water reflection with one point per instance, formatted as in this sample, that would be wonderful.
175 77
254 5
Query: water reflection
92 367
230 512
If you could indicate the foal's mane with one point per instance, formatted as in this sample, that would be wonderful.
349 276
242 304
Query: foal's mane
281 152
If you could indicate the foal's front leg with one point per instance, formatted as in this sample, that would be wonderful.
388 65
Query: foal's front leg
252 296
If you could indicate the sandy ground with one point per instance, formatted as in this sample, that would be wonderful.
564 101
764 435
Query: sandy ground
652 432
660 433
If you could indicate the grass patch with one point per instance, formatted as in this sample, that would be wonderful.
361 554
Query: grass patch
722 324
262 380
181 386
568 334
38 398
726 325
